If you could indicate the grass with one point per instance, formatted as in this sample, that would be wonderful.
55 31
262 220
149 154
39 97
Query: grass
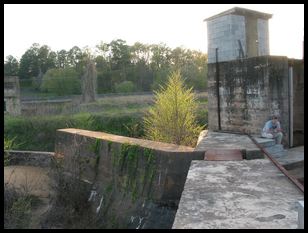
120 115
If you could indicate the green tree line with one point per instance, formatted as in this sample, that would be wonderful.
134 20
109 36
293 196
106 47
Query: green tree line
120 67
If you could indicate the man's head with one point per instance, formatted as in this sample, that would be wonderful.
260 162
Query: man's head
274 119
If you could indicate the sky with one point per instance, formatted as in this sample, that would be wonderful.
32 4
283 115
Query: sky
62 26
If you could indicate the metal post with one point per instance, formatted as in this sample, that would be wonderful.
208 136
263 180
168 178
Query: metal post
290 106
300 214
217 90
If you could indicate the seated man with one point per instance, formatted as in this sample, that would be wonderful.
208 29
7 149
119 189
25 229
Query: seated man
272 129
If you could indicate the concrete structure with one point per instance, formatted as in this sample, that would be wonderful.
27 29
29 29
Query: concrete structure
237 33
253 89
237 194
11 95
246 85
139 181
30 158
228 141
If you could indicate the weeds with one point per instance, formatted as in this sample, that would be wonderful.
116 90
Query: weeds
18 205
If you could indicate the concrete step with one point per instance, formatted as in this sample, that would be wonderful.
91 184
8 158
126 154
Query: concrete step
280 154
223 154
265 142
274 149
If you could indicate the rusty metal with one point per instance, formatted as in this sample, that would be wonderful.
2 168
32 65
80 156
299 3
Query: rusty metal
274 161
279 166
223 155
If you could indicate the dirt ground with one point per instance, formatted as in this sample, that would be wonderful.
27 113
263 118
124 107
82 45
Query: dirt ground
34 181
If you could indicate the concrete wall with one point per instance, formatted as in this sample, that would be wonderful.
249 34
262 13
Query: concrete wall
251 90
263 37
225 31
251 36
30 158
298 102
12 95
133 177
48 107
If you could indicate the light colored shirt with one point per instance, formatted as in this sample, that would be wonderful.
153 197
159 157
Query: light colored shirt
270 126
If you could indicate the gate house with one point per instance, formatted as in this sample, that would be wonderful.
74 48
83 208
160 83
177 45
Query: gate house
245 84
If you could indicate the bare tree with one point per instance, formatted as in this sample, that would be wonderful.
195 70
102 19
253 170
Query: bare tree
89 82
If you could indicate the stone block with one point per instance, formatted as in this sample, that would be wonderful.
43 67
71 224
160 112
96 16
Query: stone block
265 142
253 154
274 149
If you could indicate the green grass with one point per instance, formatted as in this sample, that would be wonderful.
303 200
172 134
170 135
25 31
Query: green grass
121 115
38 133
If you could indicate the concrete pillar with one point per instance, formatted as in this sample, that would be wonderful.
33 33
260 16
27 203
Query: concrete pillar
300 214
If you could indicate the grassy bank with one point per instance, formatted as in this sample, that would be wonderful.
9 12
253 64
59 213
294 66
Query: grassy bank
121 115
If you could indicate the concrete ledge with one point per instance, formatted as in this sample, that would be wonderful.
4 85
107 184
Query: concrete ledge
30 158
167 147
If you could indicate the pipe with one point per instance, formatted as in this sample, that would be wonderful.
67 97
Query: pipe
217 90
280 167
290 82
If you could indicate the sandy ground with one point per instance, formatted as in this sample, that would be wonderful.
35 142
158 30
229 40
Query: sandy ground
35 181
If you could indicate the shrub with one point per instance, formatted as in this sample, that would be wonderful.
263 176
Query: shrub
124 87
8 145
17 208
61 81
172 118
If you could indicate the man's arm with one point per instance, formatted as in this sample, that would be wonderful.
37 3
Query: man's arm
278 129
268 128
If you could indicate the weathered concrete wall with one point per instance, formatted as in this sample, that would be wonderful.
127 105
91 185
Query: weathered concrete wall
251 28
47 107
30 158
298 102
251 90
224 33
12 95
135 178
263 37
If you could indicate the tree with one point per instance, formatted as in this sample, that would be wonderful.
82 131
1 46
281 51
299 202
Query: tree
160 64
62 59
125 87
35 60
172 118
37 81
11 66
29 66
74 57
61 81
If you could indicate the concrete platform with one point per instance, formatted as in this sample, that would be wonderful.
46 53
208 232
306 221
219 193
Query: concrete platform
295 154
217 140
248 194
